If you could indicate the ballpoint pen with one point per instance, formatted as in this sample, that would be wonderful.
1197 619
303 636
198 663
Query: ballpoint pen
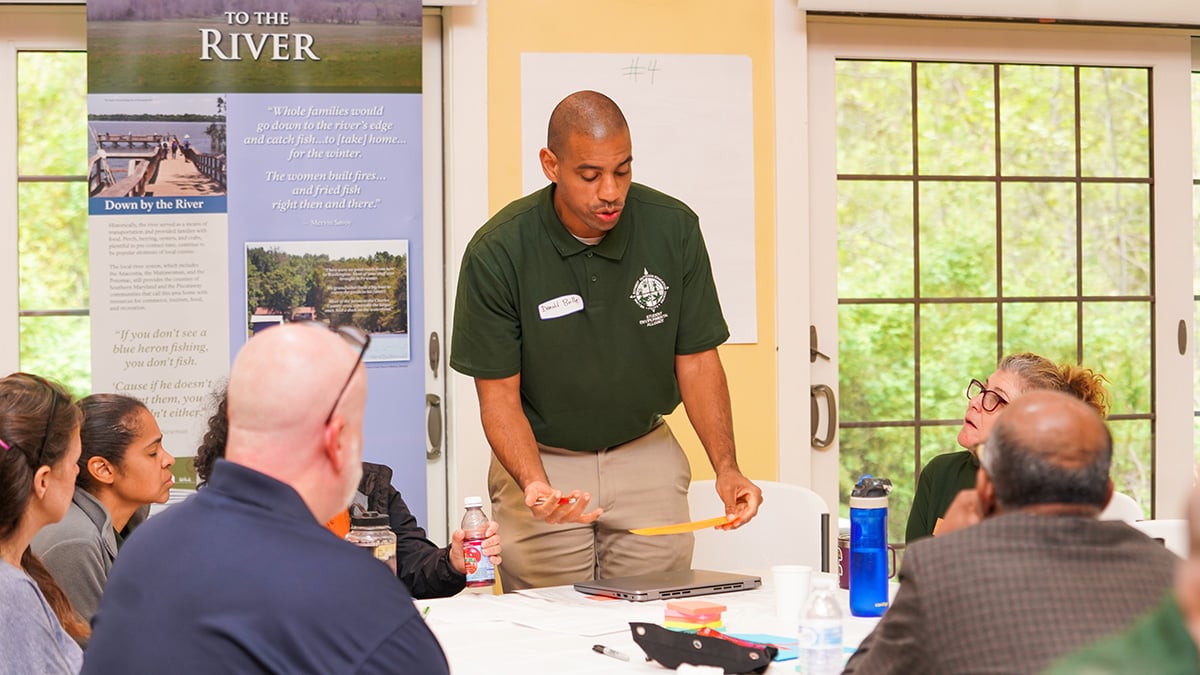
608 651
562 500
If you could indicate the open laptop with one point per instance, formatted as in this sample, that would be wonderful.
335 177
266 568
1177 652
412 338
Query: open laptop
667 585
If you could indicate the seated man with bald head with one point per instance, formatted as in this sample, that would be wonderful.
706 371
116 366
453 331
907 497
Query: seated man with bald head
244 577
1039 576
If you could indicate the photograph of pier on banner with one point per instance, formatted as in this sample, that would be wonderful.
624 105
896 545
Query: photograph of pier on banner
169 145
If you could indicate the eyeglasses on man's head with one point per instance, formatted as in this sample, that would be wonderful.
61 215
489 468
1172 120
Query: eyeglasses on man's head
355 337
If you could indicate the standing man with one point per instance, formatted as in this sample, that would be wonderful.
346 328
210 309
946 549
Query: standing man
244 577
585 312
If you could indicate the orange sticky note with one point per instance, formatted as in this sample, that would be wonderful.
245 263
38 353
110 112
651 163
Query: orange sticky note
669 614
695 607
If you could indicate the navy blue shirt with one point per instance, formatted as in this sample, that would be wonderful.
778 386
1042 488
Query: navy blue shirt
241 578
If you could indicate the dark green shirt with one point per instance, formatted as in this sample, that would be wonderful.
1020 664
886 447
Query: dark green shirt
941 480
593 330
1158 643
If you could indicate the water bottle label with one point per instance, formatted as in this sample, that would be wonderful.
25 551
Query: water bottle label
820 635
868 581
385 552
820 647
480 571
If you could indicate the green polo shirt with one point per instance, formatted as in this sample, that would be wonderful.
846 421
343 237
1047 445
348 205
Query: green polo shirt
940 482
1158 643
593 330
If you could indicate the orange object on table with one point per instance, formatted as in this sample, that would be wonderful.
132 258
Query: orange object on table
695 607
694 618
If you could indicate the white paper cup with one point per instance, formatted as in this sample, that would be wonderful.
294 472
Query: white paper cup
791 591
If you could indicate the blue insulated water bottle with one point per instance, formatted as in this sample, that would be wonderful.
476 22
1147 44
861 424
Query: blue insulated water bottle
869 547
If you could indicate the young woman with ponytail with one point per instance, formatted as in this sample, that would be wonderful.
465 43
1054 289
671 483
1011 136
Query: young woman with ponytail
123 468
39 448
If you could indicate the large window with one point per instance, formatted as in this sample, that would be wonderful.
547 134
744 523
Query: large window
52 216
43 236
985 209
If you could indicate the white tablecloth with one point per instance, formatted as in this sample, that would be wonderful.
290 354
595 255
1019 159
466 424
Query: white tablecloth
554 630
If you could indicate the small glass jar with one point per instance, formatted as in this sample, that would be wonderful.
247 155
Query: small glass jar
369 530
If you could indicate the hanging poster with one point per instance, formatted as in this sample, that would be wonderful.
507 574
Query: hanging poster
234 145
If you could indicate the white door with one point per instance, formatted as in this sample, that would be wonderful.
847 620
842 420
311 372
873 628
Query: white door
437 507
32 186
983 189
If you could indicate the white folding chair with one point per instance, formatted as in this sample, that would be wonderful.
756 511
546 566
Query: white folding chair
1172 532
792 527
1122 507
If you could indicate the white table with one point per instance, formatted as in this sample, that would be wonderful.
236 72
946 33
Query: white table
554 633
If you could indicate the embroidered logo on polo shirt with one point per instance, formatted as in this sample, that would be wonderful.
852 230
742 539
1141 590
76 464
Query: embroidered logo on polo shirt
650 292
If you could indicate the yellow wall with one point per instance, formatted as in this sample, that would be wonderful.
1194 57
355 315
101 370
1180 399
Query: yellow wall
673 27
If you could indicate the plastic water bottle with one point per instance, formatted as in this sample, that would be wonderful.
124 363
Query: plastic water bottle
869 547
369 530
480 572
820 635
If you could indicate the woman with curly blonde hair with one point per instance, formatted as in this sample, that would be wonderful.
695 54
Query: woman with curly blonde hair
946 475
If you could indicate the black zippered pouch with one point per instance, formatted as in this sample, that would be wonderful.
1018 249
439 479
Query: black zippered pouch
673 648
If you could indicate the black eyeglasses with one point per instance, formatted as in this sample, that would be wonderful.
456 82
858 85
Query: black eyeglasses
357 338
991 399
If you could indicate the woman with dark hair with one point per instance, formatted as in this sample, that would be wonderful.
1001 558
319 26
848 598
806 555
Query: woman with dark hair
122 468
427 571
39 448
212 445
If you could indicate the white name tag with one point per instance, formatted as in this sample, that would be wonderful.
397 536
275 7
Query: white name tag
561 306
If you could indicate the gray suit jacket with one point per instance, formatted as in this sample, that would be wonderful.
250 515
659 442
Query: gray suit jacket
1013 593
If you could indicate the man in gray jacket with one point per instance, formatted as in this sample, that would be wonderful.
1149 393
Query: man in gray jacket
1040 575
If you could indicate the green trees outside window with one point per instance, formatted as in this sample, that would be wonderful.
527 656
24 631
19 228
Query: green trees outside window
985 209
52 216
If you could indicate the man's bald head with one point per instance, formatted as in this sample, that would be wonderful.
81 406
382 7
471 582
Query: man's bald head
1049 448
282 385
588 113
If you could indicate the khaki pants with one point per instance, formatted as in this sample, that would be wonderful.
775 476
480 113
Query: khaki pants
642 483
